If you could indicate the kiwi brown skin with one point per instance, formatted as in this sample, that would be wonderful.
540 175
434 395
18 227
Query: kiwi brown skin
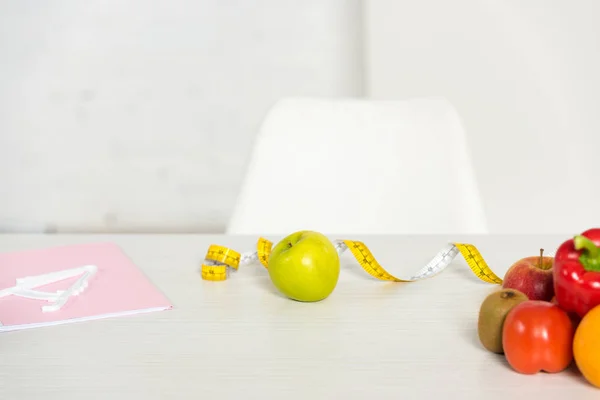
492 313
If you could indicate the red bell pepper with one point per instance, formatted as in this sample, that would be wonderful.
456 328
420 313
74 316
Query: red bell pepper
576 273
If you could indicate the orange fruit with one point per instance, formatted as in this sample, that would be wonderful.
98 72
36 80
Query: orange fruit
586 346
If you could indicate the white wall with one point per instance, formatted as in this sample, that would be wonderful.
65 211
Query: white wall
524 75
139 114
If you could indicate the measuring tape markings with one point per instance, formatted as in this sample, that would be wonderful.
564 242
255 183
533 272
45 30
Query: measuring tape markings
263 251
220 261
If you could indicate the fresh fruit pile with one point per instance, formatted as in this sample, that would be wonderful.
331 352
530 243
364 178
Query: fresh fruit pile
546 316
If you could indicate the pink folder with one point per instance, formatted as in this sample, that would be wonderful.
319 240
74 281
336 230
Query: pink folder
70 284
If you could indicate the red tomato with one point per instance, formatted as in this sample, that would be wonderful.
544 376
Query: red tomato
538 336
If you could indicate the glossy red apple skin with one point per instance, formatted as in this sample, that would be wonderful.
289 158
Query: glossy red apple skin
527 276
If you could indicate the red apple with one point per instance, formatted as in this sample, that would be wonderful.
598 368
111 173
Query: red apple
532 276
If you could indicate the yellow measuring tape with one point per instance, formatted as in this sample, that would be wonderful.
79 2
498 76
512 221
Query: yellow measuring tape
220 261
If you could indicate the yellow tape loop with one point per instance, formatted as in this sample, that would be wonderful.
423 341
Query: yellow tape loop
220 260
367 261
263 251
477 264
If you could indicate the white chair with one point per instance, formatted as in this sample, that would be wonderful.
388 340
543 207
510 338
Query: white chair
353 166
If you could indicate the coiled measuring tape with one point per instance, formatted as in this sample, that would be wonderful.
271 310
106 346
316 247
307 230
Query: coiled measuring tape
220 261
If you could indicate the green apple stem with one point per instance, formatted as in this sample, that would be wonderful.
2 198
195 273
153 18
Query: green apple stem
289 245
590 253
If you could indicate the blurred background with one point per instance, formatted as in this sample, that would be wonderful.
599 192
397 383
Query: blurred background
141 115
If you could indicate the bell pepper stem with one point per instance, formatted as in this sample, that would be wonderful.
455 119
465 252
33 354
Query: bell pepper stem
583 243
590 253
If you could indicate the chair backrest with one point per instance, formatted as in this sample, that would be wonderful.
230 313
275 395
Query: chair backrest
354 166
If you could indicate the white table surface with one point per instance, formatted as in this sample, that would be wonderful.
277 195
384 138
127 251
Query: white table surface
240 339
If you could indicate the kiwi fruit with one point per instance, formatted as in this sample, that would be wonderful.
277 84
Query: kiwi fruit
492 313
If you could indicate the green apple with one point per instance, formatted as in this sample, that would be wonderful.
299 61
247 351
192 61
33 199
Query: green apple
304 266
